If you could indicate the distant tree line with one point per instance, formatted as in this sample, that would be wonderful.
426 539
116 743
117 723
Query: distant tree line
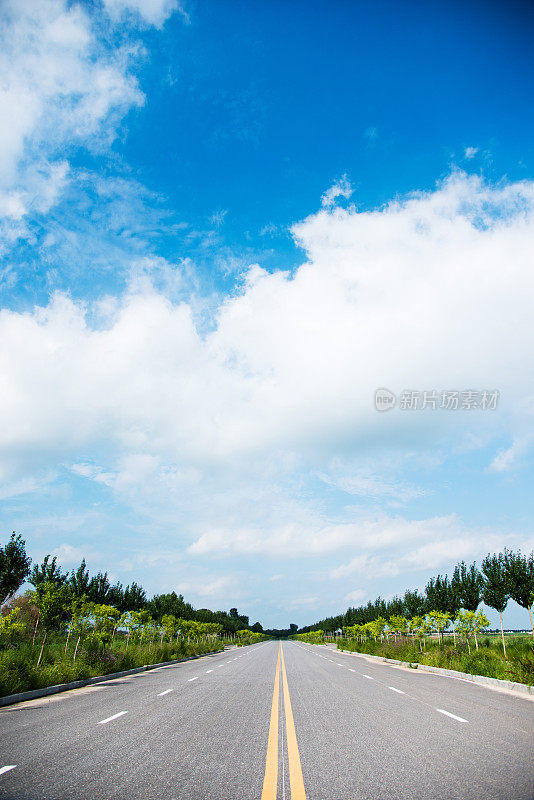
501 577
15 569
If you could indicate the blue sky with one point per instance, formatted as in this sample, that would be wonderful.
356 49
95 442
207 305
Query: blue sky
222 227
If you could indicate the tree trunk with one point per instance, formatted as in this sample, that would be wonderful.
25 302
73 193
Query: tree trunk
76 649
42 648
502 634
476 640
531 623
35 630
468 645
67 643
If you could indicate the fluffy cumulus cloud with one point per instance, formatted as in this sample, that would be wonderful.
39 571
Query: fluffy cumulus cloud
431 292
63 86
154 12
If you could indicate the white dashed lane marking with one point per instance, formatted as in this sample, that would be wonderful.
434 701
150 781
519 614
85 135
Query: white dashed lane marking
165 692
109 719
7 768
452 716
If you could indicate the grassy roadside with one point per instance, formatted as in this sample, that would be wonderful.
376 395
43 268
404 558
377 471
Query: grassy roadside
18 671
488 660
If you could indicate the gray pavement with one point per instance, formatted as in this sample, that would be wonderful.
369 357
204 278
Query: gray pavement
198 731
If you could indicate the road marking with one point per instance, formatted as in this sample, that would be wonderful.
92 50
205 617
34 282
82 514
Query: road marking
229 662
219 666
296 780
208 670
395 690
368 676
270 781
452 716
165 692
340 665
193 679
351 670
103 721
6 769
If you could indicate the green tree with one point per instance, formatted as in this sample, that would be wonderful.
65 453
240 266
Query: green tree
397 625
14 566
12 627
419 627
496 586
439 621
414 604
47 572
79 581
441 596
467 583
54 603
520 576
376 627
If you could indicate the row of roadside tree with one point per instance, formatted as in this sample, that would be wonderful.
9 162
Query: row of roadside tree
74 625
501 577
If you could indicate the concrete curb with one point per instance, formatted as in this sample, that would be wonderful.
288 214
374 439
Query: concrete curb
450 673
33 694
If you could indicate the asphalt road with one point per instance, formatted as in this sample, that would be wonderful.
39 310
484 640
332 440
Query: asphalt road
254 722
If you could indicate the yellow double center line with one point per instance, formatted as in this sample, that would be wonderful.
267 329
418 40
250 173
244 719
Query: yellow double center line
270 781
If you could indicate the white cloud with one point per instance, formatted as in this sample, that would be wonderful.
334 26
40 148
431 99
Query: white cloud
305 601
470 152
415 295
340 188
509 457
433 291
357 596
154 12
67 555
63 86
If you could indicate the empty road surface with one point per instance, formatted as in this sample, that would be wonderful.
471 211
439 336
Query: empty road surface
271 721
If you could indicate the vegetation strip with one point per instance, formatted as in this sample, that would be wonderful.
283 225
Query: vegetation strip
482 680
34 694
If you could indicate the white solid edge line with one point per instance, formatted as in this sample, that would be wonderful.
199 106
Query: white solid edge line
395 690
7 768
452 716
193 679
103 721
165 692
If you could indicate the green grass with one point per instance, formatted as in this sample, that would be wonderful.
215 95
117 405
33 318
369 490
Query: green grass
19 673
488 660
